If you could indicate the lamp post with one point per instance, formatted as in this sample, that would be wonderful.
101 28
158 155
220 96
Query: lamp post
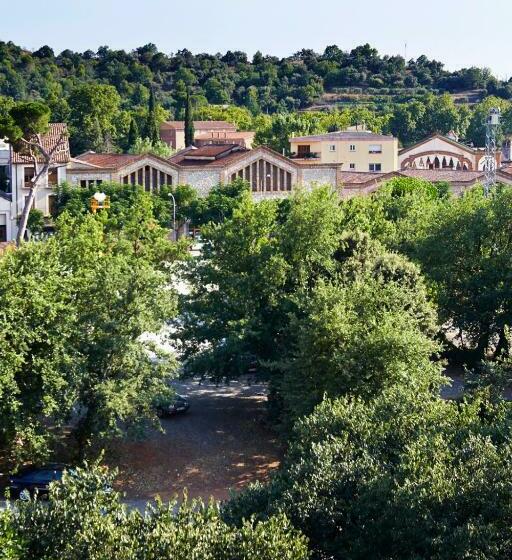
173 216
99 201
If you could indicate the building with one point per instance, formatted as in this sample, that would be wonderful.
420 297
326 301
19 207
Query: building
444 152
147 170
355 150
16 173
269 174
205 132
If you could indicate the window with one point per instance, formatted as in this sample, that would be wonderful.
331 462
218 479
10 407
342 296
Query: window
4 178
352 166
3 227
52 205
375 149
53 177
28 176
375 167
352 147
332 148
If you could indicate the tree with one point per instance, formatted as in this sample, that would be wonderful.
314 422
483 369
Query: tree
397 477
24 126
283 288
84 519
467 254
94 110
359 334
189 122
145 146
152 128
74 308
133 134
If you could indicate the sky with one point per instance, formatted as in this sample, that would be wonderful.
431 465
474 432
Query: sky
460 33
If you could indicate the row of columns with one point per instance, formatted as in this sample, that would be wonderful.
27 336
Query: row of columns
149 178
265 176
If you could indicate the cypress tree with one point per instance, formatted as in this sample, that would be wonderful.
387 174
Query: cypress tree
152 129
189 123
133 134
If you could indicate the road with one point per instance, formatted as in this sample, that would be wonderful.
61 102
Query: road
222 443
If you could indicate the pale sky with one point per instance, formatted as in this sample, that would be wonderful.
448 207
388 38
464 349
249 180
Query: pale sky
460 33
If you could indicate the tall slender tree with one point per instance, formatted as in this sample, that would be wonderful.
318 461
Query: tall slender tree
189 122
152 129
133 134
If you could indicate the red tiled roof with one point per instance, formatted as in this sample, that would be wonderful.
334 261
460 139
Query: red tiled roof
359 178
342 135
212 155
108 161
57 132
200 125
450 175
228 135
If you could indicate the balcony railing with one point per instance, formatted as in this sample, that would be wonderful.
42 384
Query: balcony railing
306 155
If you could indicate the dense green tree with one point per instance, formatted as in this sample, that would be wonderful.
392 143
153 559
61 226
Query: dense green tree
152 128
402 476
74 308
133 134
145 146
84 520
283 287
368 329
467 253
94 109
189 122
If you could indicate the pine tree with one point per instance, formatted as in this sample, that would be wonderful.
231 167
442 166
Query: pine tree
189 123
133 134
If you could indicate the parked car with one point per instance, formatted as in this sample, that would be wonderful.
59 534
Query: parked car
32 482
177 404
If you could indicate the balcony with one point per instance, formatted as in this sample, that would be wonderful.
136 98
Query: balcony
306 155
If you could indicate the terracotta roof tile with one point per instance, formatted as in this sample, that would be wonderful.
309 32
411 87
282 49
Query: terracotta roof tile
359 178
212 155
343 135
200 125
56 132
451 175
109 161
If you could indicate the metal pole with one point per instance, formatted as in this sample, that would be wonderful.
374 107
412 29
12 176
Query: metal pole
173 217
491 129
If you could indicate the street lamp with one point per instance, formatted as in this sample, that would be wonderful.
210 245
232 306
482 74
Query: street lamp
99 201
173 216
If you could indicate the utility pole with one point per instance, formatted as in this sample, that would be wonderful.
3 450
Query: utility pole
491 129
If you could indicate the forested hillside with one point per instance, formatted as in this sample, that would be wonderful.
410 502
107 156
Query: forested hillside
110 97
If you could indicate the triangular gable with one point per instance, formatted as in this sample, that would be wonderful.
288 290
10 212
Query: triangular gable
438 137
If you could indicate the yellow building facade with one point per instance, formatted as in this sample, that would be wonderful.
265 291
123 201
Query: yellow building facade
360 151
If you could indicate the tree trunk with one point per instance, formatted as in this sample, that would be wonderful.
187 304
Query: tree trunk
22 227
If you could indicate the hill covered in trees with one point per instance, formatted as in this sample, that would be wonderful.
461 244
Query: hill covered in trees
265 83
113 99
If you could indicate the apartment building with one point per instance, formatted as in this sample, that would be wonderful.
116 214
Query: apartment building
205 132
355 150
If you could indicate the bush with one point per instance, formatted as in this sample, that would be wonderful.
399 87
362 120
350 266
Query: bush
85 520
400 477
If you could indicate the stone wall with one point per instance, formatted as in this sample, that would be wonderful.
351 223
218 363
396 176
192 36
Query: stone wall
201 180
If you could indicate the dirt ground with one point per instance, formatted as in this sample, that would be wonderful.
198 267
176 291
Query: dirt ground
221 443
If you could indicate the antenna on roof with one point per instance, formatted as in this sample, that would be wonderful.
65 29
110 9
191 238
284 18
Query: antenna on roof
405 53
